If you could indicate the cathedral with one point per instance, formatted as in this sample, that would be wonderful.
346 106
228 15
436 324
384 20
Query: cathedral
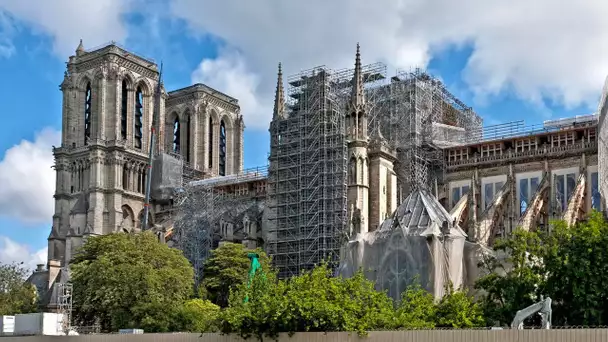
101 165
391 174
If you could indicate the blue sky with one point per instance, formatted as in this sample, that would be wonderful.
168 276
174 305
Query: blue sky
525 62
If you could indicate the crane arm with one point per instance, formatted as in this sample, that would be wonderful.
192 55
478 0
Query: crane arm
543 308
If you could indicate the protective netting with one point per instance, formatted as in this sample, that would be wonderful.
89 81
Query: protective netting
167 171
205 216
419 243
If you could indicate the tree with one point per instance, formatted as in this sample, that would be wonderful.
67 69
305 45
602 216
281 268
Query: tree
514 275
16 296
226 268
570 265
129 281
198 315
417 309
457 310
577 272
312 301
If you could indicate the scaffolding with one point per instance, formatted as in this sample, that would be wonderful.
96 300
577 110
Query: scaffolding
307 178
307 175
419 117
200 206
64 305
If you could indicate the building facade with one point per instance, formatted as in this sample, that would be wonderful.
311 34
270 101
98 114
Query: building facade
524 177
101 165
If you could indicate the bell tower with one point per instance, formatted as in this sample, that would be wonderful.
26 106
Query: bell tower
108 99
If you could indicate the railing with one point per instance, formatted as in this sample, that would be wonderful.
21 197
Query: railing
547 151
519 129
247 175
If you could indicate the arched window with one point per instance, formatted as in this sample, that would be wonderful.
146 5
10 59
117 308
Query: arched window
222 165
352 171
87 114
210 145
176 134
139 105
125 178
143 179
188 138
123 111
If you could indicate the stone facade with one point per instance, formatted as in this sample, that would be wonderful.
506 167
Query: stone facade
516 167
108 107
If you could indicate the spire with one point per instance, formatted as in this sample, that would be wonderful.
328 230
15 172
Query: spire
357 97
279 97
80 49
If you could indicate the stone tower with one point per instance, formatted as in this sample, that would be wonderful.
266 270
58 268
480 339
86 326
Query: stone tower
108 100
358 162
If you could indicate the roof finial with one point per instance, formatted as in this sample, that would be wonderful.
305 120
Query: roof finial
80 49
279 97
357 90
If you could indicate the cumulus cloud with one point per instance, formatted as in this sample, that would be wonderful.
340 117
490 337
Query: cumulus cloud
27 179
535 49
67 21
11 251
230 74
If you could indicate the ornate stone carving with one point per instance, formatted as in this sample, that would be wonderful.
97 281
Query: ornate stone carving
68 81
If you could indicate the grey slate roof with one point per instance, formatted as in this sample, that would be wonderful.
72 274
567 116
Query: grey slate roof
421 214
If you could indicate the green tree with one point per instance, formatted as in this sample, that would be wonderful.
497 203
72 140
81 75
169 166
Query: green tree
577 269
318 301
312 301
417 309
264 314
198 315
225 269
16 296
129 281
457 310
514 275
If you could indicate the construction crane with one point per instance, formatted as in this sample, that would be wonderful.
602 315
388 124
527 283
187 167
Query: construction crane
543 308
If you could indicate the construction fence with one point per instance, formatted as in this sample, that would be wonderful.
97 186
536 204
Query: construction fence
553 335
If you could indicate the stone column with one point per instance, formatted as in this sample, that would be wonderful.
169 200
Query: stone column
101 108
195 136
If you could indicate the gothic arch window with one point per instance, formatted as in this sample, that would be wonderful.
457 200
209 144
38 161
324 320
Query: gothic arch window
125 177
352 171
188 137
222 146
143 179
360 170
139 113
365 171
210 145
123 110
176 135
87 113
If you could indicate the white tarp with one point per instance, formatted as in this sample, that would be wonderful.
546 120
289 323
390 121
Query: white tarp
420 242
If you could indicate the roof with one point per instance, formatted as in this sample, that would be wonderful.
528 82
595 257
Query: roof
421 214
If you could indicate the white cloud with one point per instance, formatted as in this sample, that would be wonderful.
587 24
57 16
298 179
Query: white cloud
536 49
11 251
229 74
67 21
28 181
7 31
